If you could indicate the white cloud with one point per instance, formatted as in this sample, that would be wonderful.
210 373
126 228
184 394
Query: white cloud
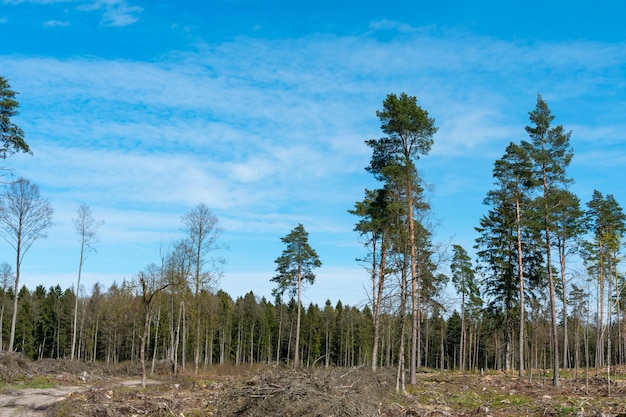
283 92
56 23
393 26
114 12
38 1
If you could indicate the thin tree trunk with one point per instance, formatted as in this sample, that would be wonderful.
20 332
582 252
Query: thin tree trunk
177 338
196 356
280 330
609 317
252 343
327 358
520 265
296 361
184 340
442 347
553 322
427 344
156 339
208 342
400 380
172 330
576 351
586 342
238 351
561 246
618 291
15 297
289 341
95 339
377 295
75 318
462 347
132 345
600 338
222 345
414 284
507 341
81 340
2 322
144 338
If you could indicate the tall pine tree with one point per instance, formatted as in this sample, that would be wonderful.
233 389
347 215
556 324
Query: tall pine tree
551 155
295 268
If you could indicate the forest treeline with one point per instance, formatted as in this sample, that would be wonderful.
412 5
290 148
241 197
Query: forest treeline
544 291
246 330
251 329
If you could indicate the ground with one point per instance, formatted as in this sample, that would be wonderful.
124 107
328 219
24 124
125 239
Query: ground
59 388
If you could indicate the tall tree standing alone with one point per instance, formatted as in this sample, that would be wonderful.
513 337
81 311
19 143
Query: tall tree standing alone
409 132
294 267
551 156
203 233
11 136
24 215
86 227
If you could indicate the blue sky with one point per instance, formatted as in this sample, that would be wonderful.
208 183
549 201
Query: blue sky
144 109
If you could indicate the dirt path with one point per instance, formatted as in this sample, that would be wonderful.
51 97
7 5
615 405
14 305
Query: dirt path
35 402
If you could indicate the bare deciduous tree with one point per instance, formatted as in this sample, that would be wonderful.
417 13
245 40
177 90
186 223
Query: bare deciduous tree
86 227
24 215
203 235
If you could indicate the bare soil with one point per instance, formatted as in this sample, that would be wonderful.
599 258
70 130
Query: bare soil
71 388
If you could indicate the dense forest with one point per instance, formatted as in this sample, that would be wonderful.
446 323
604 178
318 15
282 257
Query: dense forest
544 292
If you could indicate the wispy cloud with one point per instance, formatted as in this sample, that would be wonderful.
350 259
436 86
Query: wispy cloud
55 23
114 12
326 88
43 2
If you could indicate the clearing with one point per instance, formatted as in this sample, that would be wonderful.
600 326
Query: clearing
59 388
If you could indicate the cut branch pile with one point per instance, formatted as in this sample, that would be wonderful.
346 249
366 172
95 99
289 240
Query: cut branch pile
13 366
158 400
305 392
